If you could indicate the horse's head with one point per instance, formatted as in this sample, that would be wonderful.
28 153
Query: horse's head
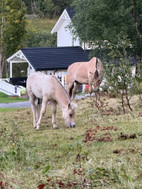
98 72
97 80
69 114
98 75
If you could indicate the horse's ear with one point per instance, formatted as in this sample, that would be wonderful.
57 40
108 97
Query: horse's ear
73 105
93 59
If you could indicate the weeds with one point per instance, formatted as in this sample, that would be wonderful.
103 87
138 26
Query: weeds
14 148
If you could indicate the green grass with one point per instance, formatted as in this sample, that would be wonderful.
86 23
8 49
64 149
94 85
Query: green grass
7 99
41 24
62 159
8 109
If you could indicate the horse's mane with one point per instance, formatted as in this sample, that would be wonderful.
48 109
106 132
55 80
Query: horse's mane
62 87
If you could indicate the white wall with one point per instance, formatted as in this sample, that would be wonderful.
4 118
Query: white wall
30 70
64 36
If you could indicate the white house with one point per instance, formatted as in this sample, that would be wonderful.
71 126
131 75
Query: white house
64 34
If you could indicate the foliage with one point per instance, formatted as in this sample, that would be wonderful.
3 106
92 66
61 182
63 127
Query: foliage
110 22
122 83
17 150
47 8
40 39
38 33
12 23
119 77
19 70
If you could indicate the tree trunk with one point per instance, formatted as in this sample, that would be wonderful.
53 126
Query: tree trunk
1 65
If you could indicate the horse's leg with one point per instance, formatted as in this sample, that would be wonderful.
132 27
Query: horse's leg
54 108
38 109
33 107
76 86
42 112
70 88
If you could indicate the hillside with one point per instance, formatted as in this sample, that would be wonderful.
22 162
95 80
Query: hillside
41 24
39 33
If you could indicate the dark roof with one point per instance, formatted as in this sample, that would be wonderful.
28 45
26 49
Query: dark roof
71 11
54 58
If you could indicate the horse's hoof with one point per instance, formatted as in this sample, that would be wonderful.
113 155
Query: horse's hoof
56 128
37 128
72 125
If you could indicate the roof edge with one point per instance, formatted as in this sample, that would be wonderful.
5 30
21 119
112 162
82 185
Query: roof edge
60 20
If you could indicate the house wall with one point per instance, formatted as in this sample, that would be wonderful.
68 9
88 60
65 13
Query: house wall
30 70
64 36
60 74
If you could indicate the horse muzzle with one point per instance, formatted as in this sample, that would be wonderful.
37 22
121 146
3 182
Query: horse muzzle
72 125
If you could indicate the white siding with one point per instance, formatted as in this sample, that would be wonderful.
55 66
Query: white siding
64 36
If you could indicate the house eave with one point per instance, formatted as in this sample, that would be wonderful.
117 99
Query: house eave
18 57
64 16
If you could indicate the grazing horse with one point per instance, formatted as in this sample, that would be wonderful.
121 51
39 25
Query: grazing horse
90 73
41 89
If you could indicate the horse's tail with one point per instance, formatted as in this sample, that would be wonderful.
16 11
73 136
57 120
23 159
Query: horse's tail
70 90
96 74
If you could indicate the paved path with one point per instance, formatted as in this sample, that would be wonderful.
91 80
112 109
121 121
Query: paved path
26 104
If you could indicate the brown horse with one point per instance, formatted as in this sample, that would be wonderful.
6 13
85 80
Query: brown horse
42 88
90 73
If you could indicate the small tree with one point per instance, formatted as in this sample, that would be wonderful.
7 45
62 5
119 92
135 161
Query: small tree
12 25
120 80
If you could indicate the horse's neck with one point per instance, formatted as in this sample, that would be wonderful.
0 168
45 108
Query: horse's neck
62 97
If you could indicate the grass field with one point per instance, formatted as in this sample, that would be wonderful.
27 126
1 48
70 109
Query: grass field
7 99
41 24
103 151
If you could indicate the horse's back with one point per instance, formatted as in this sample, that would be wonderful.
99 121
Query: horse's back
36 79
75 68
39 84
78 71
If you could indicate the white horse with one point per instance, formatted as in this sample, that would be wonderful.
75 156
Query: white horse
41 89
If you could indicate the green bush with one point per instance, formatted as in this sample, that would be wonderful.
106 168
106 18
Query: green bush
40 39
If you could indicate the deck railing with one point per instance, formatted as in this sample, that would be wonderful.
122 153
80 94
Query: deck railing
9 89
